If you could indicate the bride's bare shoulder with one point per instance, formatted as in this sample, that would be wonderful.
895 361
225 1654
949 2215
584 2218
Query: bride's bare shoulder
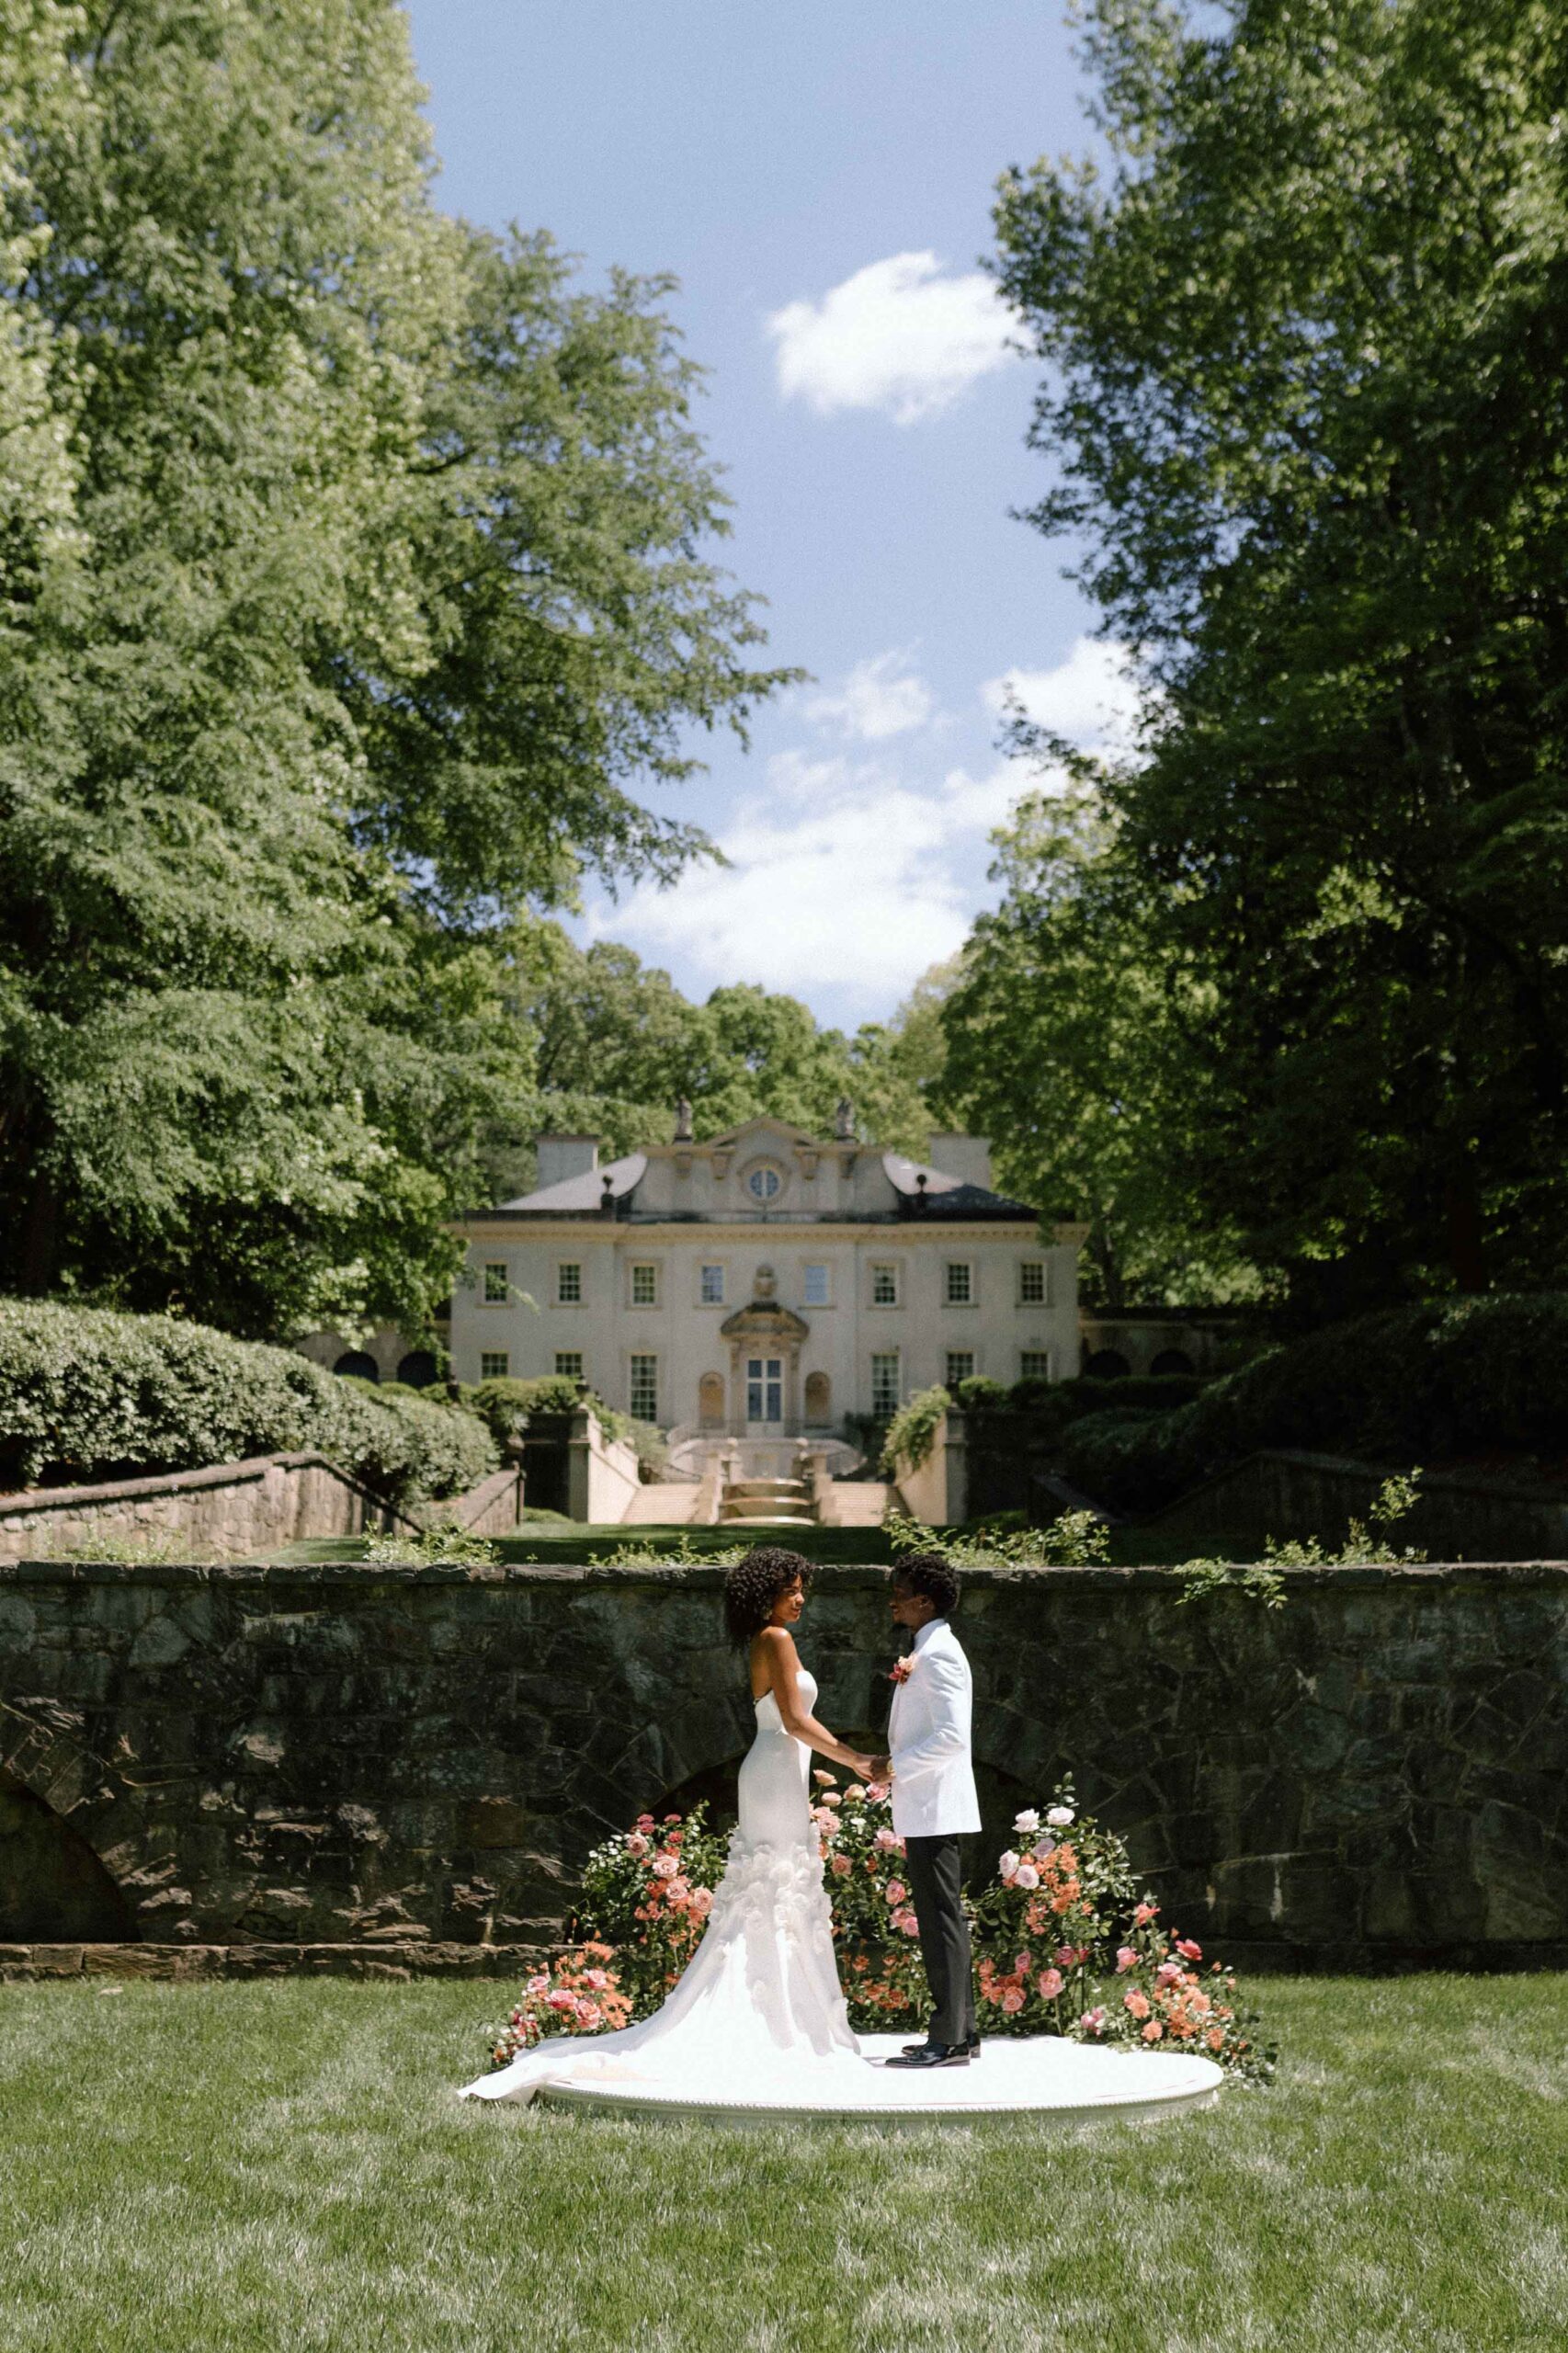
772 1651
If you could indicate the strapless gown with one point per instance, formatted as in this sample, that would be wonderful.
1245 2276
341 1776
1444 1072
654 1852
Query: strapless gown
760 1997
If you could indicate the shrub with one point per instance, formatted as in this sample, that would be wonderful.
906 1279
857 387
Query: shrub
912 1433
504 1405
88 1394
1408 1385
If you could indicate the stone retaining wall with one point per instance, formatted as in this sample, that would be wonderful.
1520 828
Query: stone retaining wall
222 1511
408 1760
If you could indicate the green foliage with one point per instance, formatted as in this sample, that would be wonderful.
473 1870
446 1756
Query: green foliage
1412 1383
1305 408
1074 1539
351 576
89 1394
912 1433
442 1546
1395 1500
679 1553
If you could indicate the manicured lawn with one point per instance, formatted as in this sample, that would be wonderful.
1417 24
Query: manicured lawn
284 2166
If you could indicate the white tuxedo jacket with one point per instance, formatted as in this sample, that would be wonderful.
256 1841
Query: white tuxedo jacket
928 1733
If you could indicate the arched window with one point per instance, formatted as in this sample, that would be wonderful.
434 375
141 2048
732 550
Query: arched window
1173 1360
354 1363
765 1184
819 1399
1107 1364
418 1369
711 1400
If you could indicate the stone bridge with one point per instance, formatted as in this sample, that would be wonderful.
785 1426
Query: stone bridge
399 1768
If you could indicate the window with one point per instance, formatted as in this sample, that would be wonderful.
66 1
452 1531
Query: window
814 1290
884 1385
960 1283
496 1288
1031 1282
644 1286
569 1364
643 1395
493 1364
569 1283
884 1286
961 1367
713 1286
765 1184
1034 1364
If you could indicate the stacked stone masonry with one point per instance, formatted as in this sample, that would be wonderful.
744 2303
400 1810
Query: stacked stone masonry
372 1768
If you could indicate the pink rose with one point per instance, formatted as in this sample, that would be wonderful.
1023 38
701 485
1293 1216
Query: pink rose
895 1890
833 1797
1043 1850
679 1890
1169 1972
702 1901
907 1922
1021 1962
675 1817
1093 2022
877 1792
841 1867
825 1780
1191 1952
644 1822
888 1838
636 1846
1144 1914
1126 1958
1007 1863
1012 2000
536 1985
855 1790
664 1866
598 1978
1027 1876
561 2000
588 2015
1051 1983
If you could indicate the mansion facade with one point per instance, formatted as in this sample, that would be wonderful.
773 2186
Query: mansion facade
766 1282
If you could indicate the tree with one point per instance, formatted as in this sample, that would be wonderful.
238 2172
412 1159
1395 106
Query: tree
352 577
1308 345
1071 1044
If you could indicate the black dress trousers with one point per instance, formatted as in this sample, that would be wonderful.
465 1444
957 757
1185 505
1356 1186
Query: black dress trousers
936 1881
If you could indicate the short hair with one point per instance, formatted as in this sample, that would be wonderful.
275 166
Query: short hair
929 1574
754 1584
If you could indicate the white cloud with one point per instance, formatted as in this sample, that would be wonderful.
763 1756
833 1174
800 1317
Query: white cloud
842 878
897 336
879 699
1089 699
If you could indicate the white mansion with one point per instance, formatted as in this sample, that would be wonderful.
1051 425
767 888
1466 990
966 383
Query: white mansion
766 1282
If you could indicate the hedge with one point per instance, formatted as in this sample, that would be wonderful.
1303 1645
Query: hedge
86 1394
1409 1385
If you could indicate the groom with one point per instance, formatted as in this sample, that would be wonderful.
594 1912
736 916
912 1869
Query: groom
934 1803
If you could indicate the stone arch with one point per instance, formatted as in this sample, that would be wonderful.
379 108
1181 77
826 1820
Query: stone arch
819 1400
417 1369
357 1363
69 1811
710 1401
53 1888
1107 1364
1173 1360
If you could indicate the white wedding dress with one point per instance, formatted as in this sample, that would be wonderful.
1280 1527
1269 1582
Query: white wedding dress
760 2006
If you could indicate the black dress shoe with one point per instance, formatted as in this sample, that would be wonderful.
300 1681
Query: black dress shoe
971 2046
933 2055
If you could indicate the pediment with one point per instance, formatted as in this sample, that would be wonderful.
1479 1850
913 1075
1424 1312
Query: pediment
765 1319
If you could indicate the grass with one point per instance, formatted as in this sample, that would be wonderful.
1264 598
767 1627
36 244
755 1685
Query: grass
220 2167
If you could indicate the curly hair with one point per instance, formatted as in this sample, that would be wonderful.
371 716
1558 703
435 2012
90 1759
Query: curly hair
754 1584
928 1573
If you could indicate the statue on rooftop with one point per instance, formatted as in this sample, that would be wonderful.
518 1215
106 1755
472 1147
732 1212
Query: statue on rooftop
843 1121
683 1119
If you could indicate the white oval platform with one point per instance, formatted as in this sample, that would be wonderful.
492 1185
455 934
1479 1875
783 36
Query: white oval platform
1039 2076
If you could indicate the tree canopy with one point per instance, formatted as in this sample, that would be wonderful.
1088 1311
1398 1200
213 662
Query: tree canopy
353 574
1307 348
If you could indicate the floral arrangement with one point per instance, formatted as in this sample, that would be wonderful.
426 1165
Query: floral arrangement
1062 1946
873 1920
648 1893
580 1995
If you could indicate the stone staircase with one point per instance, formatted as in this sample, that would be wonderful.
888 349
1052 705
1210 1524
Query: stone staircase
767 1503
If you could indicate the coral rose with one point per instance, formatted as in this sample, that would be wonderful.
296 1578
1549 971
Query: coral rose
895 1890
1137 2003
1051 1983
1012 2000
841 1867
1152 2031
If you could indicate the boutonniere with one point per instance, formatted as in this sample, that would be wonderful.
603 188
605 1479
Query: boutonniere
902 1669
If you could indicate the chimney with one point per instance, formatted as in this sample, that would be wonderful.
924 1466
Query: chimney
563 1156
966 1158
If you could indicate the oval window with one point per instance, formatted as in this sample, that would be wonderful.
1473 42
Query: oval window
764 1183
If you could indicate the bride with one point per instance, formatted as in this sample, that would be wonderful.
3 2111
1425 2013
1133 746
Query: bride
761 1993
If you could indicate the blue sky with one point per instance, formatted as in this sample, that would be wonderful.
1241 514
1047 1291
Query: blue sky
819 178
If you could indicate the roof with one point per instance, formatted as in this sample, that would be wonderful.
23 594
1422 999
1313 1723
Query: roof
573 1195
950 1196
